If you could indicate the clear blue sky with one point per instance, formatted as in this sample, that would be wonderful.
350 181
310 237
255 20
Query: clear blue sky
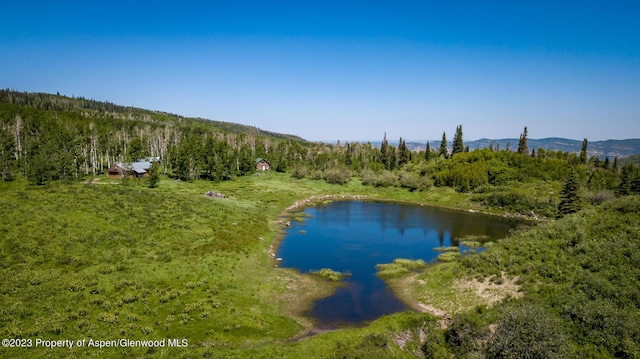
342 70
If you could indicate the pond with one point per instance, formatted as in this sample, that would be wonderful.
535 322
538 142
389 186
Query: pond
354 236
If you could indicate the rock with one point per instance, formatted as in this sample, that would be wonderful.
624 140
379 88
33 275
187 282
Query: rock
213 194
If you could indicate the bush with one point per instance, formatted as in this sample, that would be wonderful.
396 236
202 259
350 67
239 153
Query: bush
466 334
527 330
299 172
464 177
600 197
337 175
413 181
522 203
379 179
315 175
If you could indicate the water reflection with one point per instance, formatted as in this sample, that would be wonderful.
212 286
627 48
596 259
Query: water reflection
354 236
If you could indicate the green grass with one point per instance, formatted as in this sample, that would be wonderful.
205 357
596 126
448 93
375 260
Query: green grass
471 244
105 260
447 249
330 274
398 267
449 257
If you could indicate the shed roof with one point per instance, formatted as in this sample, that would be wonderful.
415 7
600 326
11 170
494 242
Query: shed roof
140 167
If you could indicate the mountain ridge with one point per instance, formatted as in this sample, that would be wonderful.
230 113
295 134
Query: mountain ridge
604 148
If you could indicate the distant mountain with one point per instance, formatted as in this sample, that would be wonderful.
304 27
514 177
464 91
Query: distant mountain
611 148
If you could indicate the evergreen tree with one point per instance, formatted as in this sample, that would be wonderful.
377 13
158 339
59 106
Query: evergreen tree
615 164
583 151
154 175
606 163
635 185
626 178
522 145
385 155
427 152
403 153
569 199
443 146
458 144
393 159
347 156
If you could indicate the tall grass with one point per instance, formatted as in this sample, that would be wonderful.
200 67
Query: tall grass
399 266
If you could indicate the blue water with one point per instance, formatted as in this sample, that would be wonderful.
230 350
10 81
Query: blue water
354 236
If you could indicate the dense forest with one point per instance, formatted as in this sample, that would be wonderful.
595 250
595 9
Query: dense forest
46 137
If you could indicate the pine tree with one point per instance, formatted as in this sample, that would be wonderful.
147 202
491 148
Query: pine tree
385 156
606 163
626 178
458 144
635 185
347 157
522 145
403 152
393 158
443 146
583 151
154 175
569 199
427 152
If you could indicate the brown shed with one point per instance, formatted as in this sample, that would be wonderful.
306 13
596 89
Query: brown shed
262 164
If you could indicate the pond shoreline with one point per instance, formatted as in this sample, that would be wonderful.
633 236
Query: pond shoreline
288 215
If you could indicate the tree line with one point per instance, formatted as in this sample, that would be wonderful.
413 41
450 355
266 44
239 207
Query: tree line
55 138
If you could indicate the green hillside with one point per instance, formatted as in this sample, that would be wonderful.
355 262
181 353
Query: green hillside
86 257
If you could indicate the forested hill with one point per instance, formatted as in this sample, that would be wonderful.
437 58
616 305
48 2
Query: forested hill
47 137
601 149
98 109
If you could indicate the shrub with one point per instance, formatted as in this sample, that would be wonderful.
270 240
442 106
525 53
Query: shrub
599 197
526 330
466 334
337 175
381 178
299 172
315 175
522 203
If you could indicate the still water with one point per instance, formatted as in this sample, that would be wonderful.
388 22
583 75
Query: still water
354 236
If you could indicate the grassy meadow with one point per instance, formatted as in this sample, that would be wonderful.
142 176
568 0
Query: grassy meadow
104 260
